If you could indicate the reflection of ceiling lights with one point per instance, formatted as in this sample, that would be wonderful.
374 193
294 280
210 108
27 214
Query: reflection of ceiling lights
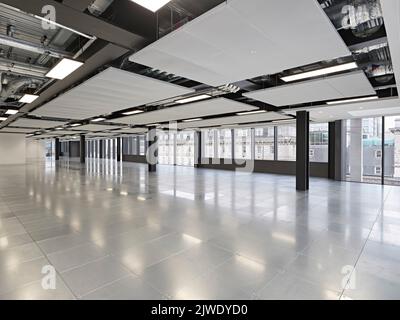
129 113
11 111
321 72
63 69
28 98
152 5
352 100
193 99
250 112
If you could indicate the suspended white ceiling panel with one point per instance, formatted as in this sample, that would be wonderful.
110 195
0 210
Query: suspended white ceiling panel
131 131
242 39
268 116
109 91
16 130
96 127
63 132
36 123
337 87
324 113
100 134
187 111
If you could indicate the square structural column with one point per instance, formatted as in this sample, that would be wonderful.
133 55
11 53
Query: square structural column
57 148
197 149
119 149
302 150
83 148
152 149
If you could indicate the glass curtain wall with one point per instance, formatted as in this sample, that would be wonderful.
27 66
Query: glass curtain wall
243 144
224 139
287 143
392 150
185 148
319 149
264 143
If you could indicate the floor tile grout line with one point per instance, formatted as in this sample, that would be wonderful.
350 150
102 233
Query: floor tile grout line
46 258
379 214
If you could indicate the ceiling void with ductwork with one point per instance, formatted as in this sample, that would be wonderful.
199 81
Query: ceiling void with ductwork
117 67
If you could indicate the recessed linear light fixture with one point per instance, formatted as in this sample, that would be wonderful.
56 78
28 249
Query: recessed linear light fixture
152 5
153 125
75 125
250 112
129 113
59 128
28 98
192 120
98 119
193 99
63 69
352 100
11 111
321 72
3 118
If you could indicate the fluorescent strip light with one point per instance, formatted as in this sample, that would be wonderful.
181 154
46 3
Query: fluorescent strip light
193 99
152 5
129 113
321 72
63 69
352 100
11 111
28 98
153 125
59 128
98 119
250 112
75 125
64 27
3 119
192 120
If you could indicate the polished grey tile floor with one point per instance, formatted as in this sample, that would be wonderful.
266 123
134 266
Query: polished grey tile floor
114 231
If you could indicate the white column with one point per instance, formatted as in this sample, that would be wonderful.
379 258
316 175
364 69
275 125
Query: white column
356 150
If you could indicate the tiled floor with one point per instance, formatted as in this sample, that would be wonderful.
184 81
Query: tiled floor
114 231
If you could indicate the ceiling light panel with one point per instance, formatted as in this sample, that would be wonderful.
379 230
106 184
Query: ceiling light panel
63 69
152 5
96 127
36 123
28 98
272 39
11 111
191 110
335 87
109 91
268 116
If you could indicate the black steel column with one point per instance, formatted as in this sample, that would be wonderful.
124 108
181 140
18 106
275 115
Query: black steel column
302 150
57 148
118 149
198 149
152 149
101 149
83 148
331 150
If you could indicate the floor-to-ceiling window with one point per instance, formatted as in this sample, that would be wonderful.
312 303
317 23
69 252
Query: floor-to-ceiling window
243 143
209 137
264 143
319 142
364 150
185 148
224 138
392 150
166 147
287 142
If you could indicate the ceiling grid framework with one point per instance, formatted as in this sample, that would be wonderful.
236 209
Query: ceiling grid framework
255 37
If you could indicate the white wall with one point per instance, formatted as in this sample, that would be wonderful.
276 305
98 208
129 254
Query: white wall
35 150
12 148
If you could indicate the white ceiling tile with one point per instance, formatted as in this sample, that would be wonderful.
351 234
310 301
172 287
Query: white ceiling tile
187 111
348 85
268 116
36 123
241 39
109 91
16 130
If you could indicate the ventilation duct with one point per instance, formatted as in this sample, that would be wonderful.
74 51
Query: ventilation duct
10 86
362 17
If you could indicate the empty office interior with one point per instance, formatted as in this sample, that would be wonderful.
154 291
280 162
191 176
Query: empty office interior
184 149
